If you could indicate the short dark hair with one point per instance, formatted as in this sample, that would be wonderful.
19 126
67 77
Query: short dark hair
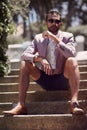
53 11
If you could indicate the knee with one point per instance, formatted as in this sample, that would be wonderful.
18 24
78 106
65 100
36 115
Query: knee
25 64
71 63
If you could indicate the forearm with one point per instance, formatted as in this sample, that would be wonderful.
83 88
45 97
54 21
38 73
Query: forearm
55 38
49 35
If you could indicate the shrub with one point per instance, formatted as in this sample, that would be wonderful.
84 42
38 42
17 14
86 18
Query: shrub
4 30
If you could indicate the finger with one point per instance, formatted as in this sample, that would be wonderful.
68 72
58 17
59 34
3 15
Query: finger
45 35
48 70
45 68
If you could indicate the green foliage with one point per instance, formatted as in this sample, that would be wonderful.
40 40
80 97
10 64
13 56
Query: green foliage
9 9
19 7
4 30
71 10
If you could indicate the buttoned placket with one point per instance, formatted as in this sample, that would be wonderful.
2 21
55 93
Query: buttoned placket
50 54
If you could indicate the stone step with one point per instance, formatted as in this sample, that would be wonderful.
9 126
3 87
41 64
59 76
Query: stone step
42 96
13 87
44 122
83 84
15 78
16 71
15 64
82 62
5 106
51 107
9 79
83 75
82 68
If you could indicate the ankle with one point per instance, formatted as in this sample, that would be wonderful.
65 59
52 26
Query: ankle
20 104
74 100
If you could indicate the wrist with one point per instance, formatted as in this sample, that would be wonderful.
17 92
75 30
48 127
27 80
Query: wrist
55 39
37 58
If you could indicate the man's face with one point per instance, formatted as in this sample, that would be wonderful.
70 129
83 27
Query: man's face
53 23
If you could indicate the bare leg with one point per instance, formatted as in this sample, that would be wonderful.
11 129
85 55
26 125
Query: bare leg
71 72
27 69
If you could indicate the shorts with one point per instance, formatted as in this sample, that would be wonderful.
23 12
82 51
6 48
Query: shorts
53 82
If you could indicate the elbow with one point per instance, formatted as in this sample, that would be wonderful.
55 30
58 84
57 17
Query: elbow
22 57
71 54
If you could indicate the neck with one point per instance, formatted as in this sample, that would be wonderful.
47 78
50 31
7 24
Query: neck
55 33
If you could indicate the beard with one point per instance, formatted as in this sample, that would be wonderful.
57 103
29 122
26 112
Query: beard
54 29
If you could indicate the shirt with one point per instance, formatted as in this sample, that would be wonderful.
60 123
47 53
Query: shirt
40 47
50 53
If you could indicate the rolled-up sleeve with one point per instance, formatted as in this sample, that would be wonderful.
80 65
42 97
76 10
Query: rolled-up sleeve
30 52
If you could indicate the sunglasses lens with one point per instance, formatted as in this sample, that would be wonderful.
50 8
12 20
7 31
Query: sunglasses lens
57 21
50 21
54 21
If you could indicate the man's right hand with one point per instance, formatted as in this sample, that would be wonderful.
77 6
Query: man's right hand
46 66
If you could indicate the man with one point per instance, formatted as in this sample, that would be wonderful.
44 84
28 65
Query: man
57 68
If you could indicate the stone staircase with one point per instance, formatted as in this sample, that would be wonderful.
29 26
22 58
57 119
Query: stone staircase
46 110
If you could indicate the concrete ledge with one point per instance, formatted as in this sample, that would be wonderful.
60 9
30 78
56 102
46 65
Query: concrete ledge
44 122
35 96
81 56
13 87
55 107
14 78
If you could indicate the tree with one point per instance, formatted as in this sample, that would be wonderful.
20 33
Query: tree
20 7
76 10
42 6
71 10
4 29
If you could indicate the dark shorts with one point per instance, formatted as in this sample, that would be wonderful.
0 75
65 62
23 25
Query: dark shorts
53 82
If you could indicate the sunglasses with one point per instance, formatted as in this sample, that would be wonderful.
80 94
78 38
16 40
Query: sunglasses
56 21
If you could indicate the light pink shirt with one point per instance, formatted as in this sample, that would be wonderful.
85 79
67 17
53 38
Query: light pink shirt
62 51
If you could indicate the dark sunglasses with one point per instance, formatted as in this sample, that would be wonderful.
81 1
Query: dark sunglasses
56 21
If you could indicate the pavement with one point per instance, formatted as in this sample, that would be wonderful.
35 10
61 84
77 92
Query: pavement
81 55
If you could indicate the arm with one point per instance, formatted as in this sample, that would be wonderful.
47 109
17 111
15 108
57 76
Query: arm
30 52
48 34
66 48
